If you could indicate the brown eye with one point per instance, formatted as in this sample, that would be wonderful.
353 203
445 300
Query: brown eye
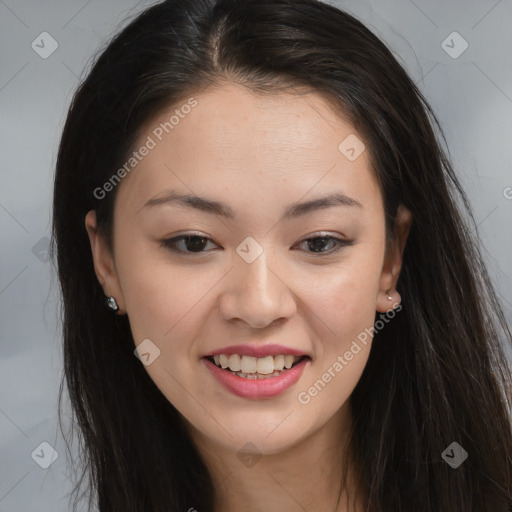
317 244
189 243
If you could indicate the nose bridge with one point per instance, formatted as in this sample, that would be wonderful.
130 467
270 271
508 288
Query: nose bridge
257 293
254 279
256 276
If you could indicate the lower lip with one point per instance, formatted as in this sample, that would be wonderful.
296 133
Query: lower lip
257 388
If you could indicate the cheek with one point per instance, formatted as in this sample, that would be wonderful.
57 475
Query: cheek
168 303
345 305
157 294
345 299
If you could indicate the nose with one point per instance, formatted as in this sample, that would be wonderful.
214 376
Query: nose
257 294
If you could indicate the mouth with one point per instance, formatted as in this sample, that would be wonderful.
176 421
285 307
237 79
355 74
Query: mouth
255 368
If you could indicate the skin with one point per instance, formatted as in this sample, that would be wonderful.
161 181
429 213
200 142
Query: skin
258 154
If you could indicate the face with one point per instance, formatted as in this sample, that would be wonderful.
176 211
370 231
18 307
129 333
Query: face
254 269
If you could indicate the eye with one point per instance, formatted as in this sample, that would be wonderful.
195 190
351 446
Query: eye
191 243
317 243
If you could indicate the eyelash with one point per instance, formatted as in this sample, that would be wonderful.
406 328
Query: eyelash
170 244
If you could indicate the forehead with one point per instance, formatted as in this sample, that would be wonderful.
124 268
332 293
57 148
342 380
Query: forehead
230 138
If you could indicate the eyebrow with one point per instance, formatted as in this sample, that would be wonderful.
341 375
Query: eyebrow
224 210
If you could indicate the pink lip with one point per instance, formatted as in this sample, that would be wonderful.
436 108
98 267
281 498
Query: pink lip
257 388
257 351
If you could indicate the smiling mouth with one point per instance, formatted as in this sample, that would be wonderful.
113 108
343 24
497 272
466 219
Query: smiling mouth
249 367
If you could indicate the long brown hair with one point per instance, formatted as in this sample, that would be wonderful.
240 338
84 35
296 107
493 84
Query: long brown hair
436 374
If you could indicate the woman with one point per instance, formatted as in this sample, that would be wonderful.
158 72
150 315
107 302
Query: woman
271 298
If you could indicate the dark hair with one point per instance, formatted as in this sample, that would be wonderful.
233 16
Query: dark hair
436 374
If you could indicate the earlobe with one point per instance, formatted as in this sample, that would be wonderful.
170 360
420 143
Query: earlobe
388 297
103 262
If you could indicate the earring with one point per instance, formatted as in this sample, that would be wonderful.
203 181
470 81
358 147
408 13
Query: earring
112 304
389 296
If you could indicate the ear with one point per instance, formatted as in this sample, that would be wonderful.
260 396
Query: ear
393 262
104 265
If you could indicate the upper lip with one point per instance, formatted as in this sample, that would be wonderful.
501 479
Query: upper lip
259 350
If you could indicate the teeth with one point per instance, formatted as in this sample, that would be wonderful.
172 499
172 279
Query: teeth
278 362
265 365
255 365
248 364
235 362
257 376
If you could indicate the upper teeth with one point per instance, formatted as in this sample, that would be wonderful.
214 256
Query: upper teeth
250 364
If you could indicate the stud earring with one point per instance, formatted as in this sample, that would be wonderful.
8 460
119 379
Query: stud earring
389 296
112 304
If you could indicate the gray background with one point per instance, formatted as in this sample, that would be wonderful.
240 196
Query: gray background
471 94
